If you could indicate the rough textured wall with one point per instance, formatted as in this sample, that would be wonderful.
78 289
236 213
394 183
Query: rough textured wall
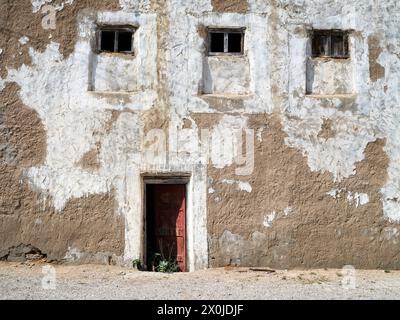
238 6
87 229
324 191
307 221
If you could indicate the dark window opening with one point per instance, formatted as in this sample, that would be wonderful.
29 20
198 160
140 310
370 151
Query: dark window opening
125 42
332 44
107 41
116 40
217 42
235 42
226 41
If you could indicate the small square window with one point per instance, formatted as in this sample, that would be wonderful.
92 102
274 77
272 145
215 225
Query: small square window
225 41
115 39
330 43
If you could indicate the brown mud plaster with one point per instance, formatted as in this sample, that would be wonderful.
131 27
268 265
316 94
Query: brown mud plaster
187 124
22 134
305 215
206 120
88 225
18 20
90 160
327 131
224 103
23 145
238 6
376 71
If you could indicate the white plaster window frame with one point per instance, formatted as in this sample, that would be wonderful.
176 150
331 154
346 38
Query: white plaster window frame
300 51
259 55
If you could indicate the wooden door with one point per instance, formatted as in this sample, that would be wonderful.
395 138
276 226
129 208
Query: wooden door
170 222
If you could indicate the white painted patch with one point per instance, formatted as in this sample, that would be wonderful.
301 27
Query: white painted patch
259 134
224 140
135 5
268 219
358 199
354 198
226 75
72 255
241 186
390 233
330 77
287 211
23 40
38 4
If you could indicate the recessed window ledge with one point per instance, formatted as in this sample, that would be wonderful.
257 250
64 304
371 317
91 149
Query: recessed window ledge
332 96
226 96
114 93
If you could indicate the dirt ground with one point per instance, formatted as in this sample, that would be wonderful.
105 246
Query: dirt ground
41 281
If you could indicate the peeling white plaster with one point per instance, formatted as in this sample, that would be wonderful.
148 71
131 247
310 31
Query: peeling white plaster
329 77
38 4
259 134
287 211
354 198
235 248
72 255
23 40
358 199
268 219
226 75
241 186
224 140
391 233
135 5
372 115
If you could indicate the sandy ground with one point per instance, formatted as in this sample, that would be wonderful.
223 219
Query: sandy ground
39 281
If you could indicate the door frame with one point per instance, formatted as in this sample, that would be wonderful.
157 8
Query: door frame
164 179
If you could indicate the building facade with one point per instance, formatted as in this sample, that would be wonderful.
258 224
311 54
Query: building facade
238 132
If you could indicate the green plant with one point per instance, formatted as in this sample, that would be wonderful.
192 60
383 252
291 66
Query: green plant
167 266
164 263
137 264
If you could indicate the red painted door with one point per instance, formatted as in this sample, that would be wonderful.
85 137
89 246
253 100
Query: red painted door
170 222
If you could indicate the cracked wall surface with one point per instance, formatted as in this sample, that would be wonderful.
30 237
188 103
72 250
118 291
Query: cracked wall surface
76 130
